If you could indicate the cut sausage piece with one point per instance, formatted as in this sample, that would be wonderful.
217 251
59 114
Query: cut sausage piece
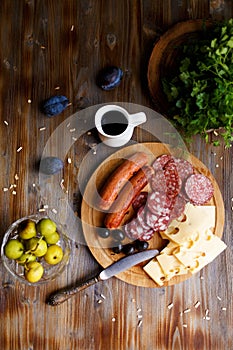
135 231
173 182
121 205
119 177
140 200
184 168
178 208
158 182
161 161
199 189
159 204
141 216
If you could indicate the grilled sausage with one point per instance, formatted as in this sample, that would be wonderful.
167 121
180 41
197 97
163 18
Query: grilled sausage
119 177
121 205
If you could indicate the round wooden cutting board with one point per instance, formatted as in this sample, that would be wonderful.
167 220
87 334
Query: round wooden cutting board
92 218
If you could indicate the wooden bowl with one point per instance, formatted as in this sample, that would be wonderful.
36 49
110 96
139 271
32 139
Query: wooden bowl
166 53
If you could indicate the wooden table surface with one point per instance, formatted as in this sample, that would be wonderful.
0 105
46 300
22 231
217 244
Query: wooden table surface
57 47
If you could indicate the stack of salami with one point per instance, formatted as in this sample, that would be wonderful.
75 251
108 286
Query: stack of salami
173 184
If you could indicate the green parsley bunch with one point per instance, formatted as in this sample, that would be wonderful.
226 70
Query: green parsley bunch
201 94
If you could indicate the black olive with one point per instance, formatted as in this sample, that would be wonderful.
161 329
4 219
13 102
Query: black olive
117 249
51 165
109 78
141 245
103 233
118 235
128 249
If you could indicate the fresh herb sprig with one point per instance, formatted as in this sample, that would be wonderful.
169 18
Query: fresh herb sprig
201 93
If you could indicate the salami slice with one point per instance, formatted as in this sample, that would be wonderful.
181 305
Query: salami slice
134 231
199 189
151 218
140 200
158 203
147 235
162 223
178 208
184 168
173 181
157 223
131 229
161 161
158 182
141 216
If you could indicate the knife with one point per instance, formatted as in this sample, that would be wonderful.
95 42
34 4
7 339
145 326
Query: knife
119 266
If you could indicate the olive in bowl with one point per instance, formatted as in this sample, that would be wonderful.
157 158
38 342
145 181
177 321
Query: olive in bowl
35 250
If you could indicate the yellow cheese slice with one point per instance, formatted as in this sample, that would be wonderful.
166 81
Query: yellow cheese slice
171 266
201 253
170 248
198 219
154 270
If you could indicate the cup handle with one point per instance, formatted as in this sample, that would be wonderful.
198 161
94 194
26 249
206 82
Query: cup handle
137 118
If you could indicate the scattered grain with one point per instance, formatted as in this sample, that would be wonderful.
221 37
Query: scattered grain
218 297
99 301
197 304
29 101
57 88
185 325
6 122
42 128
72 130
69 161
5 189
103 296
186 310
54 211
224 309
72 28
113 319
14 193
170 306
19 149
139 323
217 165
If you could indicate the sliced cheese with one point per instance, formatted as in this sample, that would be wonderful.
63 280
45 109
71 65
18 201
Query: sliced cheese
192 245
154 270
171 266
201 253
170 248
198 219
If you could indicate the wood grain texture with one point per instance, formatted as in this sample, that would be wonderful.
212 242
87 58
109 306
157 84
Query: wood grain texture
58 47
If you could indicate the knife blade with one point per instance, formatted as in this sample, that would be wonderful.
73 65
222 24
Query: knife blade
114 269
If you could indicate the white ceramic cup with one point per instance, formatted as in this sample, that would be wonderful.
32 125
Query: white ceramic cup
115 125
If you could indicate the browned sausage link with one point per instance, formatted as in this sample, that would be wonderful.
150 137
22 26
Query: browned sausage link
126 197
119 177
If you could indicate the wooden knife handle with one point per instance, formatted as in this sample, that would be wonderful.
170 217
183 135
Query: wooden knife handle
59 297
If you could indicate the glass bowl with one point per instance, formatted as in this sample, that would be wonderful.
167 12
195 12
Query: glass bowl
50 271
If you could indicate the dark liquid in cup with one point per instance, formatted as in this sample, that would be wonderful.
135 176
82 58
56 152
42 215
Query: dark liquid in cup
114 123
